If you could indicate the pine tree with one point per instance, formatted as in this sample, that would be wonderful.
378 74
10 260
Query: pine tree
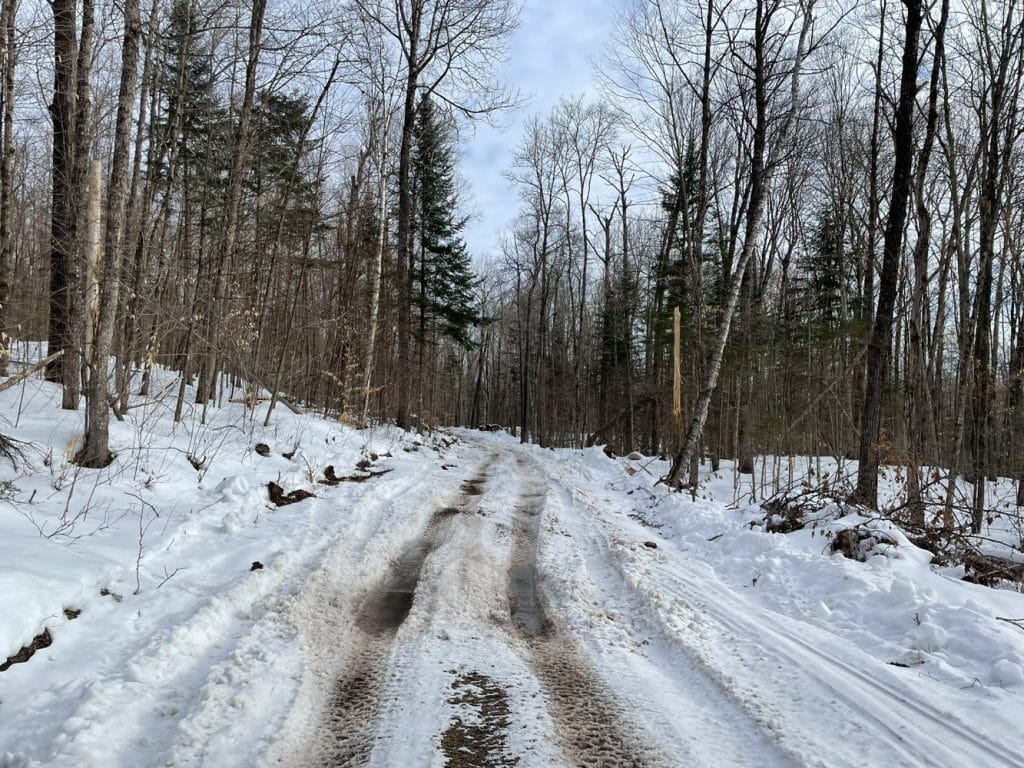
675 271
279 181
446 282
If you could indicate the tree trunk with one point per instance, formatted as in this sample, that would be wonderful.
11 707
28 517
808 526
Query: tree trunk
95 450
8 59
62 224
760 175
406 202
880 346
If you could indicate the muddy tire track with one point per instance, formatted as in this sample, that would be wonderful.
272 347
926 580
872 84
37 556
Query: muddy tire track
349 728
591 724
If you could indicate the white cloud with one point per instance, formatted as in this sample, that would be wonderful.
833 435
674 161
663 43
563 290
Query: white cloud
550 57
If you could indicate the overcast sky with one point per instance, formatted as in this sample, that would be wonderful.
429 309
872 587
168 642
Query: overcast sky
550 57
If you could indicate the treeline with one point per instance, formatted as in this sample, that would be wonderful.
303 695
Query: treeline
259 192
824 200
830 196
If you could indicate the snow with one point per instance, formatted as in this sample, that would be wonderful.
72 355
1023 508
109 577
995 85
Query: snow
379 630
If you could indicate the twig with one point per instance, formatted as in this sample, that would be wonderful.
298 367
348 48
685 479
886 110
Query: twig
171 575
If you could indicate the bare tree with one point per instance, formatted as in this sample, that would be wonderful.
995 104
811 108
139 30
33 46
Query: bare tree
880 346
8 60
448 49
95 451
769 72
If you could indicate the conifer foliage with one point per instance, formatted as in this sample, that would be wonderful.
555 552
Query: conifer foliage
445 282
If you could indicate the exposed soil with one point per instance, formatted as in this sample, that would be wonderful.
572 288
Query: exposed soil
281 499
479 743
591 725
589 721
349 729
346 737
332 479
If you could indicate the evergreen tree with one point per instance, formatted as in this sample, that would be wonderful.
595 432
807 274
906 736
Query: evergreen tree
677 271
280 182
192 124
826 279
446 282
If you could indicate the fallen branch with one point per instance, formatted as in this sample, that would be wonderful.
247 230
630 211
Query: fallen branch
330 478
989 570
1018 623
22 375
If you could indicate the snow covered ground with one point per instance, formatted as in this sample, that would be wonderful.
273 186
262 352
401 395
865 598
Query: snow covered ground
481 603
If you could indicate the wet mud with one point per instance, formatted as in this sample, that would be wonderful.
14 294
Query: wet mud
479 739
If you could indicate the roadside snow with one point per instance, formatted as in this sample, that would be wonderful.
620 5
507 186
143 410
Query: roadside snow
157 557
887 662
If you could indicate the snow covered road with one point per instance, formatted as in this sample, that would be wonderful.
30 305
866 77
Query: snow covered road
494 605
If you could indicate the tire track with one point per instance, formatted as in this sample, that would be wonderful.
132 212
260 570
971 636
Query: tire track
592 726
349 728
350 725
717 728
860 687
480 740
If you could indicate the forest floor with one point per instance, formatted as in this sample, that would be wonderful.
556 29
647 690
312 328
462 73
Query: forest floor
471 602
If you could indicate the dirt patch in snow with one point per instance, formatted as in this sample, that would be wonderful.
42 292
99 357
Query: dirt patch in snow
590 723
479 741
349 729
43 640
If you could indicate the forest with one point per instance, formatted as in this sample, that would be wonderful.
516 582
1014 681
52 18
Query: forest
778 228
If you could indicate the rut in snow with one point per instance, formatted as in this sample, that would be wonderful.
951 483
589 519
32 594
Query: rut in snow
350 724
478 741
347 734
594 731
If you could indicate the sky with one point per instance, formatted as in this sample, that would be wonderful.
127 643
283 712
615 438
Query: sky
549 57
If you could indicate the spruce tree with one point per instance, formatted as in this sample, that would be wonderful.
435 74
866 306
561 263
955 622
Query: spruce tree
192 123
281 183
827 277
675 272
444 273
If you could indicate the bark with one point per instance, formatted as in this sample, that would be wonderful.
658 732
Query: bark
920 427
377 266
62 229
406 204
8 59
